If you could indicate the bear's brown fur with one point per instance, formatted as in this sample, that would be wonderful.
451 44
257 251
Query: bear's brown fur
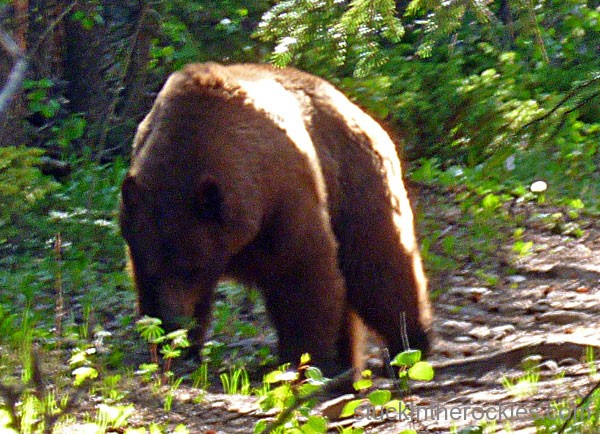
274 178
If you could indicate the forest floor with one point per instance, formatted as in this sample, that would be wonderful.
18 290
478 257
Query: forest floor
544 306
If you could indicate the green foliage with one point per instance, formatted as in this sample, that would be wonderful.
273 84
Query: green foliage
410 367
303 31
90 16
22 184
69 130
65 129
80 362
200 30
235 382
200 377
234 318
585 416
168 345
291 394
38 99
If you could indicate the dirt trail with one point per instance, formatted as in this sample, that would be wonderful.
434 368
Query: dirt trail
550 309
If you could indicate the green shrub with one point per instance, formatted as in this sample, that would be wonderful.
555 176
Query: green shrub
22 184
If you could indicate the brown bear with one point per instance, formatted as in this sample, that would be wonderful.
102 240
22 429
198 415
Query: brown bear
274 178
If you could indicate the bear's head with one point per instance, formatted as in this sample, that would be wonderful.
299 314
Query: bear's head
175 243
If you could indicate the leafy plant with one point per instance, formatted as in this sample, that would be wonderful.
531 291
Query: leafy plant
572 416
38 98
169 345
526 384
410 367
292 395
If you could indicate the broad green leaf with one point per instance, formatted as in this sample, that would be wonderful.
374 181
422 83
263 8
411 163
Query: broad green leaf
351 407
379 397
305 359
83 373
315 425
421 371
396 404
406 358
260 426
314 374
272 377
363 384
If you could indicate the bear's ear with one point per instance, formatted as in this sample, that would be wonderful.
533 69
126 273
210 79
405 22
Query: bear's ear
131 193
209 201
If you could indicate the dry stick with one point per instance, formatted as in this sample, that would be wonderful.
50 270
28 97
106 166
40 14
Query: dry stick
328 387
572 414
403 332
60 306
406 347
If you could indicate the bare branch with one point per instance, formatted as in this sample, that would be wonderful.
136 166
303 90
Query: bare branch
564 100
17 74
51 28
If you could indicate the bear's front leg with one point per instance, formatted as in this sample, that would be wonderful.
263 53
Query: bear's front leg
304 288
